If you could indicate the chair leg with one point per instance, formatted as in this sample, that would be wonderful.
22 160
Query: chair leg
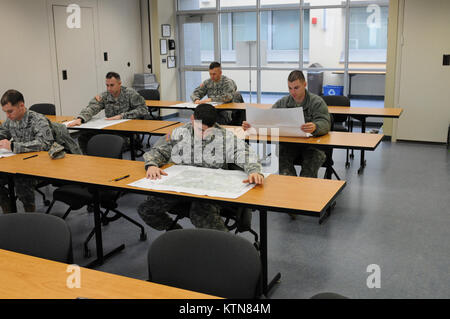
67 212
335 174
44 199
87 251
50 207
329 171
131 220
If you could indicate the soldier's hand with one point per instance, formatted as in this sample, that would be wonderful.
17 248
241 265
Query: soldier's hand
154 172
76 122
117 117
6 144
309 127
98 98
246 125
254 178
197 102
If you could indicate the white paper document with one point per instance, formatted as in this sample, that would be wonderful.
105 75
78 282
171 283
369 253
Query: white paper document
199 181
191 105
97 123
288 120
5 153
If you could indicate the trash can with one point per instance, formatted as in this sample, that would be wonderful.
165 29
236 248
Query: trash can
144 81
315 79
333 90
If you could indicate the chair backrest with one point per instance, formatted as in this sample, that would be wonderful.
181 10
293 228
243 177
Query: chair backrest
237 98
207 261
337 100
44 108
39 235
149 94
105 145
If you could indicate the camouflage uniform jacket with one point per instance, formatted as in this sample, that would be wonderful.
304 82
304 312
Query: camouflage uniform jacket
63 138
218 149
221 91
31 134
129 103
314 110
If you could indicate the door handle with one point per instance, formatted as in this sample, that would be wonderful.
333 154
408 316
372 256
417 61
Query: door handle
64 74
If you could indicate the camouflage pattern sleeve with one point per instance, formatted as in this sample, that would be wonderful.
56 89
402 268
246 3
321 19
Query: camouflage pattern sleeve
92 109
138 109
41 137
199 92
240 153
159 154
4 132
225 91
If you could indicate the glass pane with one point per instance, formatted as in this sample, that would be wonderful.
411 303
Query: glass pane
368 34
326 38
198 45
242 79
237 4
192 80
196 4
324 2
383 2
238 38
280 36
274 85
280 3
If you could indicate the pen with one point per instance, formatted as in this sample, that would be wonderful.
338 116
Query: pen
120 178
35 155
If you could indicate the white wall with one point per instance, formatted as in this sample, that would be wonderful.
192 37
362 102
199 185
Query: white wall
120 36
163 12
27 62
423 85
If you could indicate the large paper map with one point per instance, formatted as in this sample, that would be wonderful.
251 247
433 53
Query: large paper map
5 153
98 123
199 181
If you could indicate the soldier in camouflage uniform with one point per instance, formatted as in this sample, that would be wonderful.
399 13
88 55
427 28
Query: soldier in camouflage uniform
219 148
23 131
219 88
119 102
317 122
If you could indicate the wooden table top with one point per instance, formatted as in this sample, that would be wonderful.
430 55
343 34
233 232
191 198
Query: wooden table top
59 118
362 111
367 111
167 129
27 277
136 126
344 140
141 126
278 193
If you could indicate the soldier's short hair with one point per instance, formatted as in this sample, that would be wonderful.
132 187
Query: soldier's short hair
115 75
214 65
206 113
296 75
13 97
